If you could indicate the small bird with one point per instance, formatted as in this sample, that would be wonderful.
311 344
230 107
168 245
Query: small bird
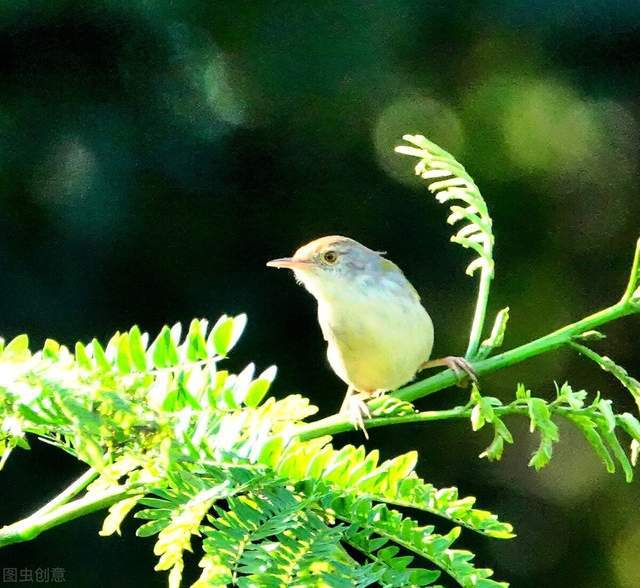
377 331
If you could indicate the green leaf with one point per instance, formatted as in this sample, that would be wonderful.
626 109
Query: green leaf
99 356
165 352
611 439
152 527
259 387
226 332
541 419
241 385
420 540
31 415
82 357
591 434
90 452
154 514
17 350
502 430
482 412
117 513
522 393
604 406
51 349
123 360
494 451
496 337
196 343
184 397
156 503
477 419
630 424
501 434
182 432
137 350
540 416
172 401
575 399
542 456
538 413
423 577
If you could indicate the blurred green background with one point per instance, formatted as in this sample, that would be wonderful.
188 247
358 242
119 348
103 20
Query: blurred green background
154 155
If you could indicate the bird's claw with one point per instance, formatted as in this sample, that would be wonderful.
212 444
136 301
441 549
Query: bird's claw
357 411
460 366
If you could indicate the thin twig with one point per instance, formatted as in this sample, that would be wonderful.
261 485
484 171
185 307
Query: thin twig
30 527
68 493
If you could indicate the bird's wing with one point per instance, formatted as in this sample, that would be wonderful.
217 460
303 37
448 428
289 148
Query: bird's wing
386 265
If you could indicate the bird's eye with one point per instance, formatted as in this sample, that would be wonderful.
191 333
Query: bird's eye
330 257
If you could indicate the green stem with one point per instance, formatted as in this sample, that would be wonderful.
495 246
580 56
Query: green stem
32 526
68 493
546 343
459 412
634 276
480 311
339 423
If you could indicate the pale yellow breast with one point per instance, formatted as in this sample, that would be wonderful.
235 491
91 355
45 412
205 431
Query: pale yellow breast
375 342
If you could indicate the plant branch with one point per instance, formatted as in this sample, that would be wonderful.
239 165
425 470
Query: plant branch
480 312
517 407
339 423
538 346
68 493
30 527
632 292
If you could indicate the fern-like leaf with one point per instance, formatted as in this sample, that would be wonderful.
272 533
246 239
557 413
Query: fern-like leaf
597 422
405 532
608 365
451 183
203 451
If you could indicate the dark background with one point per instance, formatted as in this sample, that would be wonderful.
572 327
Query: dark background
152 158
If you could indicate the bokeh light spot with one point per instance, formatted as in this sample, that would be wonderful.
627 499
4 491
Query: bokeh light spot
548 127
199 90
574 474
414 114
626 562
81 192
69 172
221 95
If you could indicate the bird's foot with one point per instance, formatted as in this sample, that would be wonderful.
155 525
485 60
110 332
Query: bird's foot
460 366
356 409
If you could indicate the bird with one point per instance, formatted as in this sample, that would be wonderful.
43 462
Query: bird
378 333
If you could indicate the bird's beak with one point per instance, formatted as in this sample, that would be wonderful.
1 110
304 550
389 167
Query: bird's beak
289 263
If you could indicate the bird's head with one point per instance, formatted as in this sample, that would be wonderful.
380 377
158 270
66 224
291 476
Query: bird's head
334 264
